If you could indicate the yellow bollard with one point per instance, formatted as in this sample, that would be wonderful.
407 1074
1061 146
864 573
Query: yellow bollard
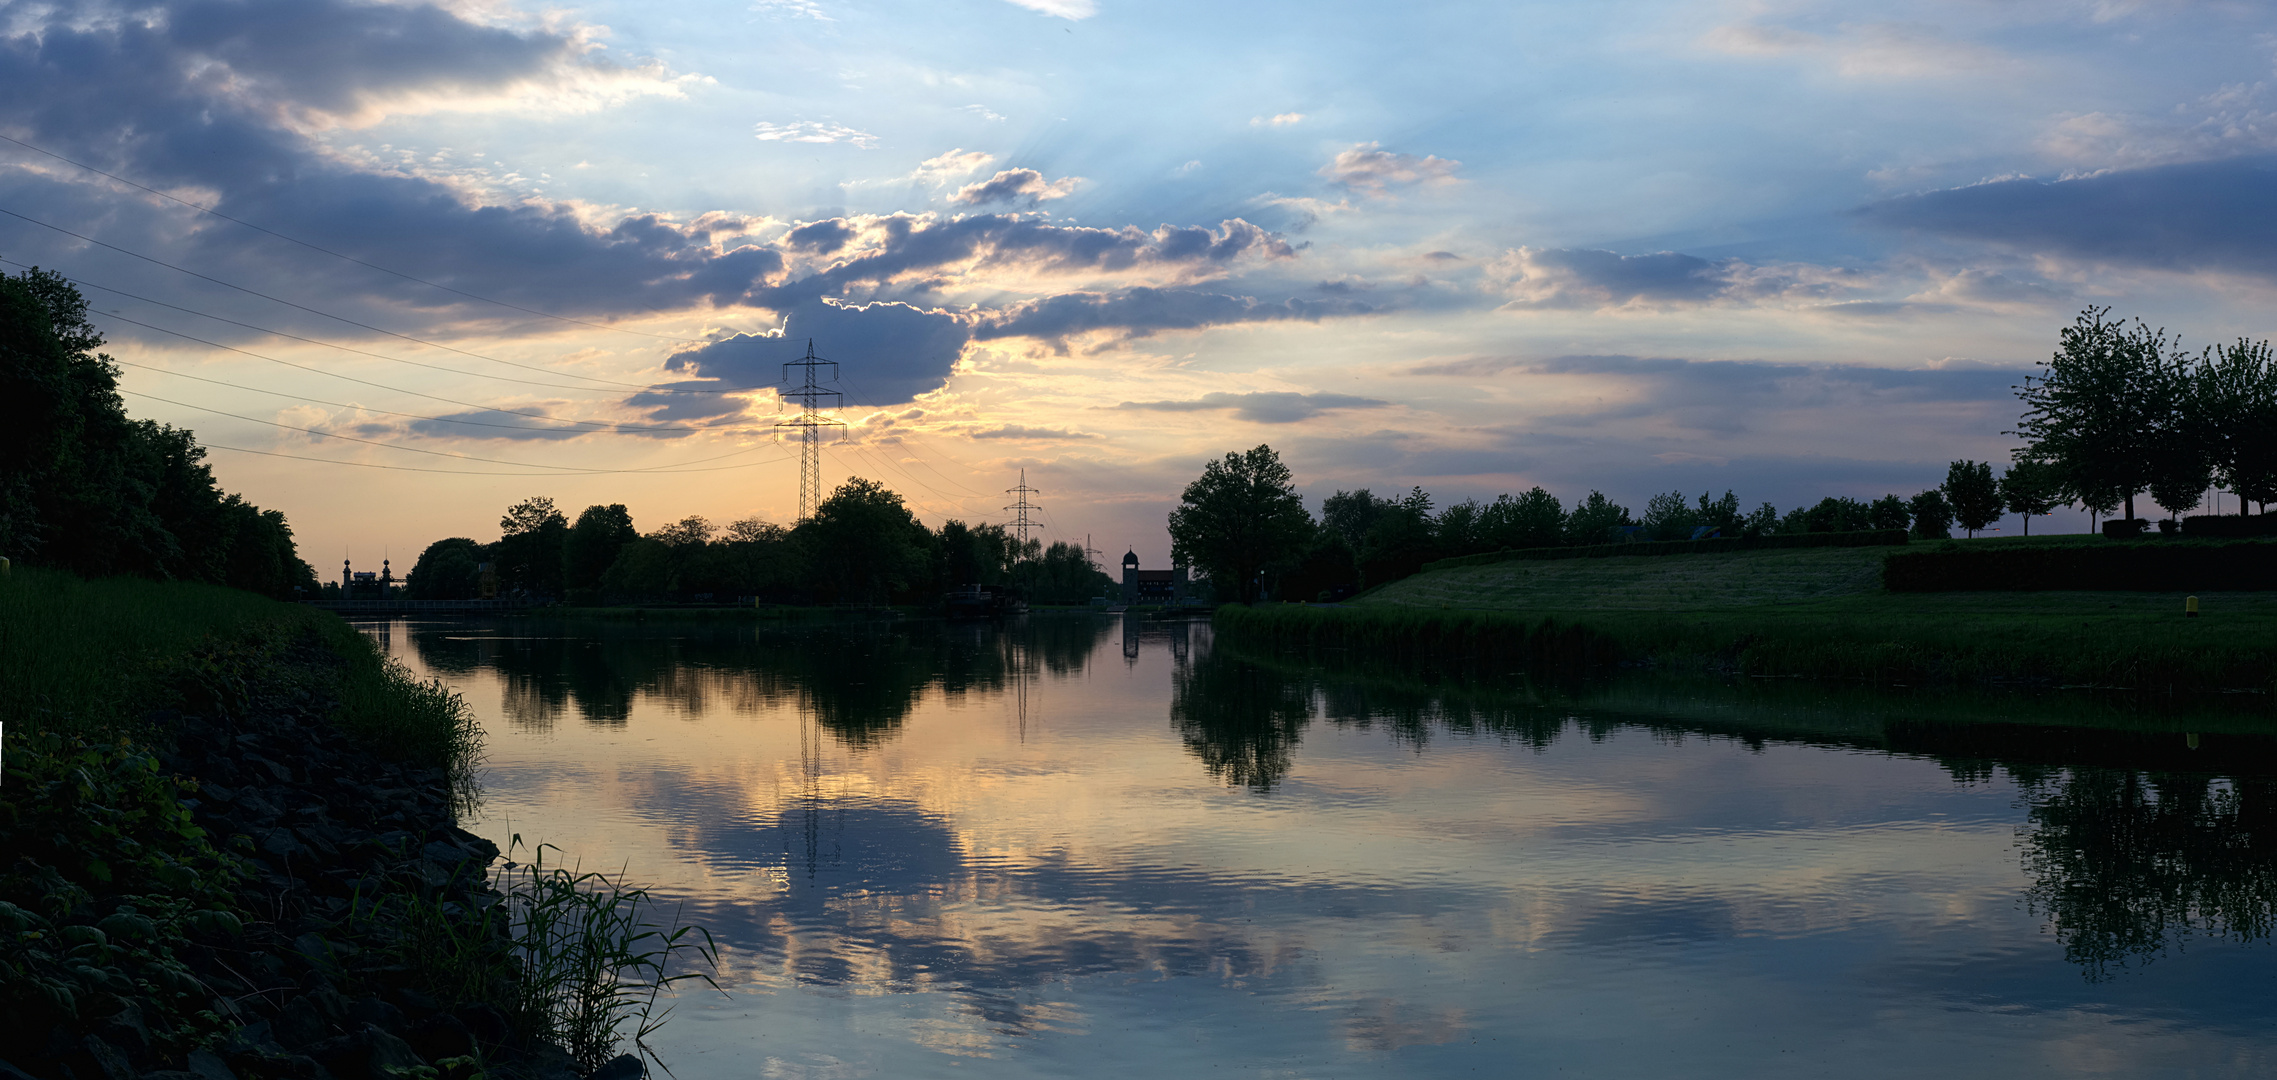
5 566
2190 739
2190 608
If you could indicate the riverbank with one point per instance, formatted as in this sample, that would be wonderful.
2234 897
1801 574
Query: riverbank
232 851
1813 614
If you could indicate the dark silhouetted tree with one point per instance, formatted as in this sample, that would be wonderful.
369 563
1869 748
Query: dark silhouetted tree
593 543
862 544
2031 488
533 537
1532 520
2096 409
1241 517
1890 512
1932 516
1973 494
1595 520
448 570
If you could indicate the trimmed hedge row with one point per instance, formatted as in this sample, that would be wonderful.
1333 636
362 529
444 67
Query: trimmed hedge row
2154 566
1864 538
2225 526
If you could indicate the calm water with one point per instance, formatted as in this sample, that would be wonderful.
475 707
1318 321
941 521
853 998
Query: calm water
1091 847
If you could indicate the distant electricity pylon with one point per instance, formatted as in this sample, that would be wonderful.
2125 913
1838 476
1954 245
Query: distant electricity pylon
1021 522
809 393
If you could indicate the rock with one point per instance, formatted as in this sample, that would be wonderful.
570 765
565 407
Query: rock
125 1029
99 1060
439 1036
282 843
621 1067
208 1067
300 1024
486 1023
366 1054
10 1072
378 1014
550 1062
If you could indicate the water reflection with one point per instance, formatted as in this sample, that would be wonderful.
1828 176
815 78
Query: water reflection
1382 863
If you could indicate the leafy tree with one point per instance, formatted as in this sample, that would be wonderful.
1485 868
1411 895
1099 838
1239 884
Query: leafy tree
1830 514
2181 465
1932 516
85 488
754 531
1326 566
593 543
2031 488
1062 574
1669 517
1459 529
1764 519
1532 520
2096 410
1400 541
530 548
448 570
1973 494
1720 514
690 531
2238 399
862 543
1351 514
1595 519
1239 518
1890 512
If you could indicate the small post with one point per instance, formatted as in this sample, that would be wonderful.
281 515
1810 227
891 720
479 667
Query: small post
6 567
2190 608
2190 739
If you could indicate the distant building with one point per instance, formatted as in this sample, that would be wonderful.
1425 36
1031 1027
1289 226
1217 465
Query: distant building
1152 586
365 585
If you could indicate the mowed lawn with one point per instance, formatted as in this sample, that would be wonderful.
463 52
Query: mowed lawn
1813 581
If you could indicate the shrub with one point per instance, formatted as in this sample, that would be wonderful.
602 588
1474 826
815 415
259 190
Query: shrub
2176 566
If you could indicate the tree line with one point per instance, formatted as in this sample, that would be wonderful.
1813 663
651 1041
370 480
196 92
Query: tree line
1243 525
862 546
2122 410
88 489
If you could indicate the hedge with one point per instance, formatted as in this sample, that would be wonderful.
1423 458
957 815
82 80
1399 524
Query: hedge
2148 566
2229 525
1865 538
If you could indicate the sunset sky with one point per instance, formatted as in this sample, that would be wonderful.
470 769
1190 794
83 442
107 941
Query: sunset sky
1789 249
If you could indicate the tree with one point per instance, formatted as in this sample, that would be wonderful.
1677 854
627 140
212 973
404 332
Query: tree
863 544
2031 488
1890 512
530 548
1764 519
2094 411
2181 465
1401 540
1351 514
1239 518
1532 520
593 543
1669 517
1932 516
447 570
1595 520
1459 529
1721 514
690 531
1973 494
2238 399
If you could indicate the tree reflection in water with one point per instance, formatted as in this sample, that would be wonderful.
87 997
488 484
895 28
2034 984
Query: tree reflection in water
2127 864
861 680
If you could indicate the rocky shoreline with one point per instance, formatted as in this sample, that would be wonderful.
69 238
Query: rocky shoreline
287 949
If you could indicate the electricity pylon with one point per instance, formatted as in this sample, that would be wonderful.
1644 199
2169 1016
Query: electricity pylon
1021 522
809 393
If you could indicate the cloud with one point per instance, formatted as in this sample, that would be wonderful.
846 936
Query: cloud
2195 216
807 9
494 424
1015 186
887 352
942 168
1020 431
1882 50
1287 119
1065 9
1264 407
1142 310
2237 119
1590 278
1366 169
815 131
985 113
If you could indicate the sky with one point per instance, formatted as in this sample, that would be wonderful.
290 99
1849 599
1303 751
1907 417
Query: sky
410 263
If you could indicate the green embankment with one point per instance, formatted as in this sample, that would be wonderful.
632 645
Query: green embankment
1817 613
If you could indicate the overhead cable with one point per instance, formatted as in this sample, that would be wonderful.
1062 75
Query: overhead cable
329 251
360 325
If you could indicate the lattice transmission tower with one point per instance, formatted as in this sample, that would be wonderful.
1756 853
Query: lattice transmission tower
1021 521
810 421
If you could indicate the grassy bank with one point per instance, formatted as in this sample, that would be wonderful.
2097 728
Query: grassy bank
1813 613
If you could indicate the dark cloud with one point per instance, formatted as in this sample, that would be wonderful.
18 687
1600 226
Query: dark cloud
1591 278
1263 407
1014 187
218 96
2205 215
1021 431
890 352
1144 310
695 402
493 424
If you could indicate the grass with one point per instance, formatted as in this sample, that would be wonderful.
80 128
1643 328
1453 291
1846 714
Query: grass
579 958
1816 613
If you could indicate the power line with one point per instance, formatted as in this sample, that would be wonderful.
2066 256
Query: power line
329 251
566 469
381 412
469 472
598 424
810 423
1020 522
315 341
349 321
